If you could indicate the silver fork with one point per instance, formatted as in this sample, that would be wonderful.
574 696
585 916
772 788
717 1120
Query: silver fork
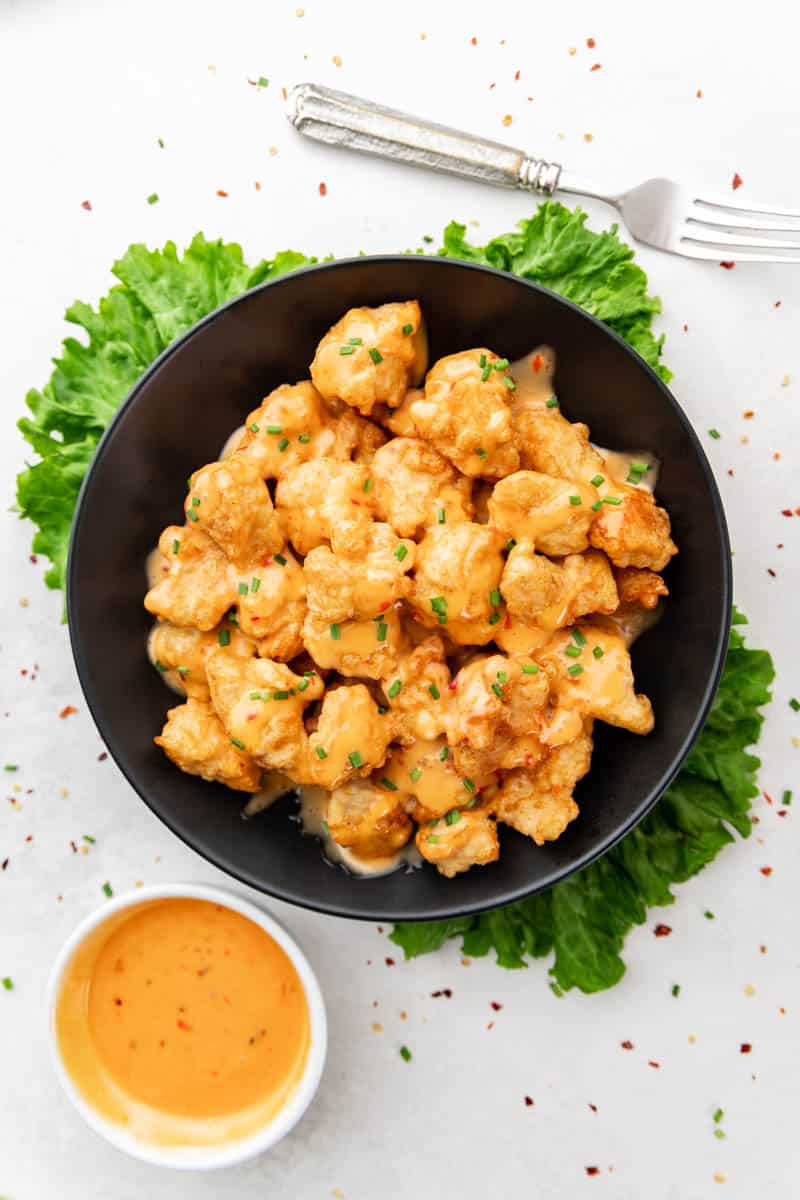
659 212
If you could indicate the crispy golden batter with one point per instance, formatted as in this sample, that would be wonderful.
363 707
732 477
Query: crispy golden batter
495 715
326 501
368 648
554 514
368 818
539 803
467 417
634 533
638 587
351 738
366 358
552 594
350 588
457 578
229 501
272 605
552 445
419 704
603 687
471 840
414 486
200 585
196 741
180 654
425 770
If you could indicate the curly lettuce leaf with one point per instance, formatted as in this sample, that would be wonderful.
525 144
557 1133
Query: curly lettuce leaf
583 921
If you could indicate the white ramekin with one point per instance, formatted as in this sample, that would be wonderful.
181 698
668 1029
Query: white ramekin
196 1158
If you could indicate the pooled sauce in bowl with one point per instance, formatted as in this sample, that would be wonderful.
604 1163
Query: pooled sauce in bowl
185 1021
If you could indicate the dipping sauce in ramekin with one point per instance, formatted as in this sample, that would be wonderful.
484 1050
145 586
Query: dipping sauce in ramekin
187 1026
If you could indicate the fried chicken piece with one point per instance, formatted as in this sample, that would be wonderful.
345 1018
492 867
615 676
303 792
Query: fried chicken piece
363 438
351 738
495 715
200 585
272 605
554 514
325 501
419 703
465 413
371 356
230 502
425 769
368 648
457 579
552 445
634 533
261 705
603 687
368 818
552 594
195 740
350 588
539 803
414 486
180 655
639 588
469 841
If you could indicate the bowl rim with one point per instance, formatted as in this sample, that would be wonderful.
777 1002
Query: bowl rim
555 875
194 1158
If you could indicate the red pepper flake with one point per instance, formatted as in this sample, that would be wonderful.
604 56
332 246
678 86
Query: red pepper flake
473 41
786 512
777 304
771 572
626 1045
516 74
448 992
74 848
323 189
699 93
686 329
87 205
389 962
765 870
662 930
29 838
593 1107
748 414
737 181
67 711
529 1102
102 756
745 1048
222 192
492 85
284 93
730 472
490 1027
782 812
496 1006
257 186
592 1170
32 557
767 797
184 1025
652 1063
591 43
779 546
728 265
595 67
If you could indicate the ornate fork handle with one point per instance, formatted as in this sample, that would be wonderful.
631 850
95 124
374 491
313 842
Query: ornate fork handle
342 120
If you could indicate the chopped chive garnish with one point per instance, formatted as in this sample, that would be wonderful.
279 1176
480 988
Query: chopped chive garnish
676 990
192 515
709 916
552 402
611 500
367 483
443 753
530 669
326 828
500 364
183 671
387 783
195 501
175 546
494 597
501 676
494 618
321 753
714 433
14 767
355 758
282 695
416 773
441 516
575 500
597 651
224 637
572 651
336 633
239 745
510 544
485 373
469 785
280 560
509 382
498 691
152 198
407 329
303 684
263 81
394 689
482 361
304 438
431 838
452 817
598 504
438 604
375 355
243 589
255 584
400 552
87 837
232 616
107 889
8 983
597 480
434 691
718 1115
382 630
442 618
575 669
282 444
794 705
578 638
274 429
254 428
355 341
160 666
786 798
481 453
719 1134
256 696
345 350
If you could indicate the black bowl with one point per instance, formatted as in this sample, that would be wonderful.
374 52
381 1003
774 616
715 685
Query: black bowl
178 416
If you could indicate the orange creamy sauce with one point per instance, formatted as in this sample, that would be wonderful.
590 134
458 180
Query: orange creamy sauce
184 1020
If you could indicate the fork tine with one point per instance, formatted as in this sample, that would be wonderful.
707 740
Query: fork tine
763 210
731 221
728 241
691 250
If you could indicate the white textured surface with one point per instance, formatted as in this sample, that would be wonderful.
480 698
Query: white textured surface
86 89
